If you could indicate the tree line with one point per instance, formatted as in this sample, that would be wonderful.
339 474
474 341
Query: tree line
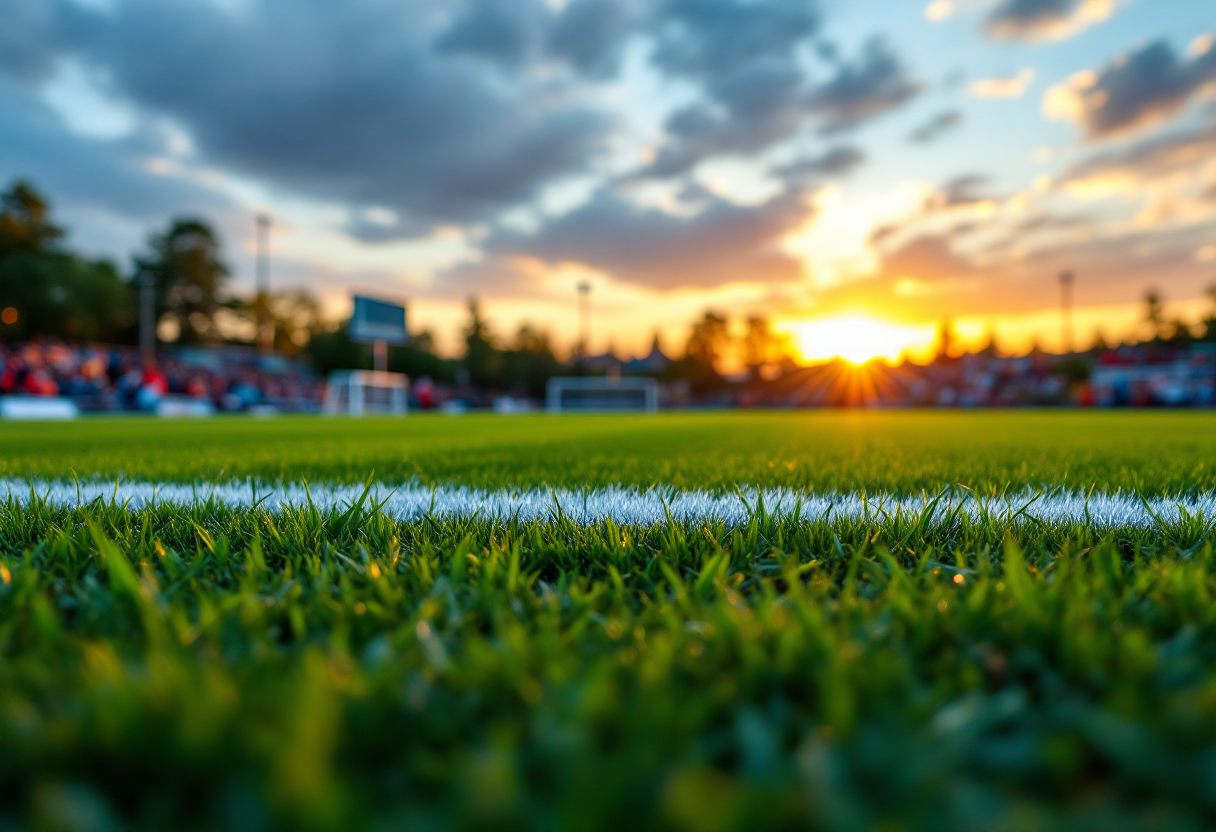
49 290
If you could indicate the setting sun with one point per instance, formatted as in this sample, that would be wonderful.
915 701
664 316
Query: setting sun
858 339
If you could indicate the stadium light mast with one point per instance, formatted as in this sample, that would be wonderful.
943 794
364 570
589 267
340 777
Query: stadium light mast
584 323
1066 283
265 325
147 316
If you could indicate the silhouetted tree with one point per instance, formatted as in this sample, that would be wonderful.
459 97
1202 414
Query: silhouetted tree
762 347
481 359
945 339
708 340
1208 324
1154 312
333 350
295 318
25 222
530 363
417 359
189 278
990 348
46 289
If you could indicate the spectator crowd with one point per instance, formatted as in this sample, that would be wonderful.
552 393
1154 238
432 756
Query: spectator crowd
103 377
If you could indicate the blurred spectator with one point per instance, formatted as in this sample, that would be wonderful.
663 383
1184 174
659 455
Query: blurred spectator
99 377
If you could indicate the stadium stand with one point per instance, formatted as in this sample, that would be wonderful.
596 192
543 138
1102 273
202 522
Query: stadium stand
101 377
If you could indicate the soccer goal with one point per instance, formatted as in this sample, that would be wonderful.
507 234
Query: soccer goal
598 393
356 392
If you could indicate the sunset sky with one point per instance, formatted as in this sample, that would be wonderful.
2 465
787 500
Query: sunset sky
852 169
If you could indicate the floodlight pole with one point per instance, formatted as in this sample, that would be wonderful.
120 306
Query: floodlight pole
147 316
265 325
584 323
1066 283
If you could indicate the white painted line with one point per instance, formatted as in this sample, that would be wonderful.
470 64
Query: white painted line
623 505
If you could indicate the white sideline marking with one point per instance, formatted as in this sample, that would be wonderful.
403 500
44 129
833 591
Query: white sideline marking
626 506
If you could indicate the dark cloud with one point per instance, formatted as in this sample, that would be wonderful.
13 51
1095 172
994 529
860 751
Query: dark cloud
504 32
1137 90
1032 19
710 40
29 39
589 35
748 62
936 127
584 35
433 113
966 189
839 161
744 59
722 243
106 176
1146 160
36 34
349 102
863 89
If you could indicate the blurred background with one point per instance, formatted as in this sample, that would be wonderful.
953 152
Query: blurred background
756 202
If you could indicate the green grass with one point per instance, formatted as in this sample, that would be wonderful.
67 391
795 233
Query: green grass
202 667
1155 453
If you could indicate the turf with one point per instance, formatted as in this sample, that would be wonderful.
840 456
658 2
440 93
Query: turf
304 668
898 452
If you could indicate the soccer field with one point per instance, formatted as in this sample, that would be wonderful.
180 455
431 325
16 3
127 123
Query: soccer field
1161 453
685 621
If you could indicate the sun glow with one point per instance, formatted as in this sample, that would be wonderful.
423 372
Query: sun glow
859 338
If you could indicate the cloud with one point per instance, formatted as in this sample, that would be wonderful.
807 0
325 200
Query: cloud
965 189
1173 177
1012 87
585 35
936 127
839 161
720 244
1137 90
503 32
743 58
1178 152
590 35
1045 19
1050 222
363 103
113 176
929 277
437 113
30 39
746 60
710 40
926 259
961 205
448 113
863 89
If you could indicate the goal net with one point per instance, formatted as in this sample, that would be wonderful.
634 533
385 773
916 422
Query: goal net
598 393
356 392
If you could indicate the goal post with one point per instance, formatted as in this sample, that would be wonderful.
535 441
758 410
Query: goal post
565 394
359 392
